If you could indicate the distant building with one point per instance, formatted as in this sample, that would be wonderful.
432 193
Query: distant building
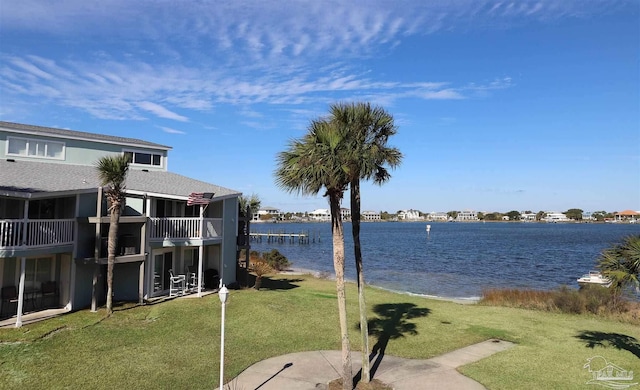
467 216
409 215
587 216
264 212
370 216
528 217
320 215
627 215
554 217
437 216
325 214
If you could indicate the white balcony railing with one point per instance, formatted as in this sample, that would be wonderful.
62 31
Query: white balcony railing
185 227
38 232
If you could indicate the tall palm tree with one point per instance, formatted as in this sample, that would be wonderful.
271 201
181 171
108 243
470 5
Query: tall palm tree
366 153
112 172
308 165
621 264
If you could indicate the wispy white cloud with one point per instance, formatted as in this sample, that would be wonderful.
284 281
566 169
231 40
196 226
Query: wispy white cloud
30 69
160 111
170 59
268 30
171 131
131 90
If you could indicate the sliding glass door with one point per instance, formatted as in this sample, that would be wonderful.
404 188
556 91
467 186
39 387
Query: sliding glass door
162 263
38 270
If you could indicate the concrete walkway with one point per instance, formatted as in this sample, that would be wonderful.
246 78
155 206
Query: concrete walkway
313 370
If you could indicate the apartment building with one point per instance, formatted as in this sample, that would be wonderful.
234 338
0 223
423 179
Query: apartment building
54 222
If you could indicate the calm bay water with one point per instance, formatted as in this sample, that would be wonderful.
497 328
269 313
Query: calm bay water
456 260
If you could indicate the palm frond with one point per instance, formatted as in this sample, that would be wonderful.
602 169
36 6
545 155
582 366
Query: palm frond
621 263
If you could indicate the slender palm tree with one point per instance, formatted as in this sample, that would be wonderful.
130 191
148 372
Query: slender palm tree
112 172
307 166
253 202
366 153
621 264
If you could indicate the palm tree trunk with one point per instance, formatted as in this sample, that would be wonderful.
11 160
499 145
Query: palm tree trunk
111 254
338 264
364 327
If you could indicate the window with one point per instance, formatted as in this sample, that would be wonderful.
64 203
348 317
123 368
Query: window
35 148
144 158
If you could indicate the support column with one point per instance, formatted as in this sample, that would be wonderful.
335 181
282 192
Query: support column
23 269
23 265
201 251
96 253
141 284
145 246
94 287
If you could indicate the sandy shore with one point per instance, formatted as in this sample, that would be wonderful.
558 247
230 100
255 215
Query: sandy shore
331 276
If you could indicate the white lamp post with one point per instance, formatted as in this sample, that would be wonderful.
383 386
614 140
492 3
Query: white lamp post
223 293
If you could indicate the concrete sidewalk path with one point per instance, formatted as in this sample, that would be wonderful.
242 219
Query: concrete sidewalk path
313 370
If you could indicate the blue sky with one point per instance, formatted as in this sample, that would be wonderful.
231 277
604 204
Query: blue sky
500 105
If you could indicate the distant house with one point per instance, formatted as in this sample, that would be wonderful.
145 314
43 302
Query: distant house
467 216
587 216
553 217
268 213
370 216
627 215
437 216
528 217
325 214
54 221
409 215
320 215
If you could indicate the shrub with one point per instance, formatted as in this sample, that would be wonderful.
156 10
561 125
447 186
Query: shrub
276 260
526 299
589 299
569 301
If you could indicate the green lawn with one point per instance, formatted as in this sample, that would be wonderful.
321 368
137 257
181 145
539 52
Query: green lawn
175 344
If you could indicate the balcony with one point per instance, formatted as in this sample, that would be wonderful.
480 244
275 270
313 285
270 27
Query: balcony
185 228
34 233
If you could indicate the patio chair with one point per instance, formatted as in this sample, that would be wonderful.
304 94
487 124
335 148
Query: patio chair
49 290
9 294
192 278
177 284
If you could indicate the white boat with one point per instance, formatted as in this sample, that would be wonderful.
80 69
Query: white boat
594 278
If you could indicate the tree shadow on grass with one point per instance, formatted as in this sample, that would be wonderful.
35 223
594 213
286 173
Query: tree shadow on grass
615 340
393 322
275 284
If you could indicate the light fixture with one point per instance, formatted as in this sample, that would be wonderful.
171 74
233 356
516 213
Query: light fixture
223 294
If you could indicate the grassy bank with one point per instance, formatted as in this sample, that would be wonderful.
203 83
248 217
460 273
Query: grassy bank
175 344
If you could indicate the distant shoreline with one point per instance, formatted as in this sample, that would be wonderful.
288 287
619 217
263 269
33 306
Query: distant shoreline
438 221
331 276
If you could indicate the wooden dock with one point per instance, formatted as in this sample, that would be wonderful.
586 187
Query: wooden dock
283 237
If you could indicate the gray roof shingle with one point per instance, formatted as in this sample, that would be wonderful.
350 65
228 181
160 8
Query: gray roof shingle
28 177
